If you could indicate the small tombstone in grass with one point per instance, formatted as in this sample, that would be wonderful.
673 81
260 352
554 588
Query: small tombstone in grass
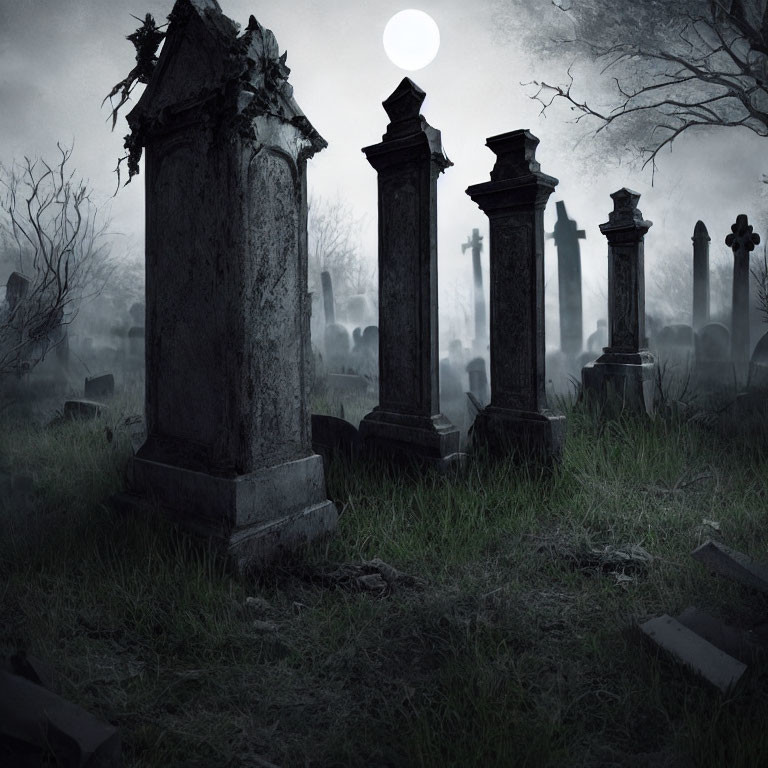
99 387
478 380
82 409
337 348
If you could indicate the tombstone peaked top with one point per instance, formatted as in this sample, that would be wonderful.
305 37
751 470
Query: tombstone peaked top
625 213
205 70
742 236
407 128
700 232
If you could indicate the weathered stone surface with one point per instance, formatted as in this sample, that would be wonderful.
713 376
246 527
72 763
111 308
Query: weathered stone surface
742 241
33 717
101 386
701 241
715 666
624 374
733 565
228 447
741 644
518 419
567 236
408 422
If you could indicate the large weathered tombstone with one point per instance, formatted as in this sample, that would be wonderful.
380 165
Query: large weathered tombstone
407 421
624 373
700 240
328 303
228 450
480 341
742 241
517 420
567 236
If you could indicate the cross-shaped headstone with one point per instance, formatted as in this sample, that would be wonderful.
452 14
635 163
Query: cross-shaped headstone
476 244
742 241
567 237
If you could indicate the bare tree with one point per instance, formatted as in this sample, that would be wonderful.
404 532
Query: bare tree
333 233
676 65
62 259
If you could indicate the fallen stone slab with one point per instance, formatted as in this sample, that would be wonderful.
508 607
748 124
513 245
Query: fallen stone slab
33 718
715 666
733 565
742 644
82 409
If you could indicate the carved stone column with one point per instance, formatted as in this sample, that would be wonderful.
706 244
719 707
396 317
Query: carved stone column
624 375
742 242
517 419
407 421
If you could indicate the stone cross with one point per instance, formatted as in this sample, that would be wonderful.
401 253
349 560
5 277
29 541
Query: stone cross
567 238
626 367
517 420
328 303
407 422
228 451
741 241
700 240
481 334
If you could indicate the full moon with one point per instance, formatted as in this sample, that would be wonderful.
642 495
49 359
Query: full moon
411 39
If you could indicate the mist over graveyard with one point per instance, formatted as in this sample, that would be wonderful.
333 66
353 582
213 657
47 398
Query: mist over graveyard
383 387
473 91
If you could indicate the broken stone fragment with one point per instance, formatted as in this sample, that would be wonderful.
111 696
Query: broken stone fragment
733 565
33 719
708 661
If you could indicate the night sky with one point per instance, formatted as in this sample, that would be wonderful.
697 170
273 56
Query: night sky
59 58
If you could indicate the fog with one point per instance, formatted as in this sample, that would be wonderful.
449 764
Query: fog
61 57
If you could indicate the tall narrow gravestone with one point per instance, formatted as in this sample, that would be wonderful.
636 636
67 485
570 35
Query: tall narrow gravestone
567 236
624 374
407 421
742 242
481 334
517 419
228 450
700 240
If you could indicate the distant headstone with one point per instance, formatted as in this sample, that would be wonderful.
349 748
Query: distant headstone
676 343
100 386
624 373
518 419
478 380
229 444
567 237
16 289
138 313
475 243
136 341
337 348
701 241
407 421
82 409
758 367
328 303
598 340
360 310
714 371
742 241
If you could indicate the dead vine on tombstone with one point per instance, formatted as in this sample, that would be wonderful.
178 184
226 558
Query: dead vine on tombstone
146 39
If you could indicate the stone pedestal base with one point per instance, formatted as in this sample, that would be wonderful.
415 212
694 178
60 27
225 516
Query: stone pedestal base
527 435
621 382
254 518
432 441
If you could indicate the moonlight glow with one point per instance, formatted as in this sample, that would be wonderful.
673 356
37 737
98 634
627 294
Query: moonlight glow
411 39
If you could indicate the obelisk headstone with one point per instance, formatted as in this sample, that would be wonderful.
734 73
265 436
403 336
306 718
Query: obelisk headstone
700 240
475 242
517 420
624 375
328 303
228 451
407 422
742 242
567 236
